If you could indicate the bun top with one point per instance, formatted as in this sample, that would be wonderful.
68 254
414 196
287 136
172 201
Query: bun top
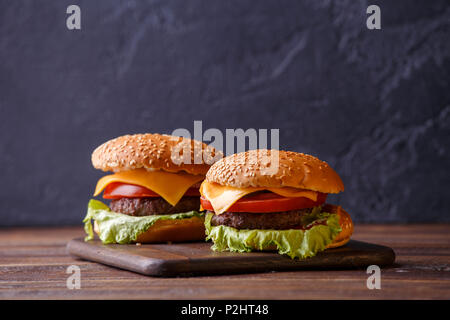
257 168
154 152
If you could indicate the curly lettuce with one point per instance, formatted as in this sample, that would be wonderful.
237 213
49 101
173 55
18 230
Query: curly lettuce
319 230
121 228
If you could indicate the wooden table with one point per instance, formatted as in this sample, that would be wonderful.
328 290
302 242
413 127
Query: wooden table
33 264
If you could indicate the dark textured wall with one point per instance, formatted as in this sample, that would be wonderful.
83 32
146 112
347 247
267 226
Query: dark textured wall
374 104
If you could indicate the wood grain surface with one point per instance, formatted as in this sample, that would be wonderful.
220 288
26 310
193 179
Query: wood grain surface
33 264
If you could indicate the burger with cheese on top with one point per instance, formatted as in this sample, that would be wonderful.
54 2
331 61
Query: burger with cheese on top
153 191
252 208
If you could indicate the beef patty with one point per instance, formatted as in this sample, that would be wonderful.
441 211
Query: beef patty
153 206
273 220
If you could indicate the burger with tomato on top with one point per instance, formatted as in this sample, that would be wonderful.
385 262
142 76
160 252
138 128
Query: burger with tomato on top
251 208
153 190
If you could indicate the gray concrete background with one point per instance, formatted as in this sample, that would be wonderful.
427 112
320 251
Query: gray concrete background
374 104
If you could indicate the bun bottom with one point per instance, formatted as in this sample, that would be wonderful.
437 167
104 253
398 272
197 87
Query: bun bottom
336 244
178 230
346 225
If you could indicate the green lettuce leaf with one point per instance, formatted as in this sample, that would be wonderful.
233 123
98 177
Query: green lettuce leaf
293 242
121 228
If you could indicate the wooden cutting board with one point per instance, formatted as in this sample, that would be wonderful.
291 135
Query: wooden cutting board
196 258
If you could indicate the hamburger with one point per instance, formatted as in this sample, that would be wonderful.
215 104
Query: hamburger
250 208
153 189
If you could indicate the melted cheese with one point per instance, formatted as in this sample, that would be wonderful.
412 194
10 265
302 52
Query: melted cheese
170 186
223 197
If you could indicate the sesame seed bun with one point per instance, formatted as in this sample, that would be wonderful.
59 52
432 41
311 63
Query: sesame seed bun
297 170
179 230
154 152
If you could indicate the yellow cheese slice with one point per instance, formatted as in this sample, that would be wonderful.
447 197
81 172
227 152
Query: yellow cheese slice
170 186
223 197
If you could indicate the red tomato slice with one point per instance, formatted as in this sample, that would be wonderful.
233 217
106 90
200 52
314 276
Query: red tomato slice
117 190
269 202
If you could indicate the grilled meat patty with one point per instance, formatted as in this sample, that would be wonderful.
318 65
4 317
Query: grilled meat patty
273 220
153 206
